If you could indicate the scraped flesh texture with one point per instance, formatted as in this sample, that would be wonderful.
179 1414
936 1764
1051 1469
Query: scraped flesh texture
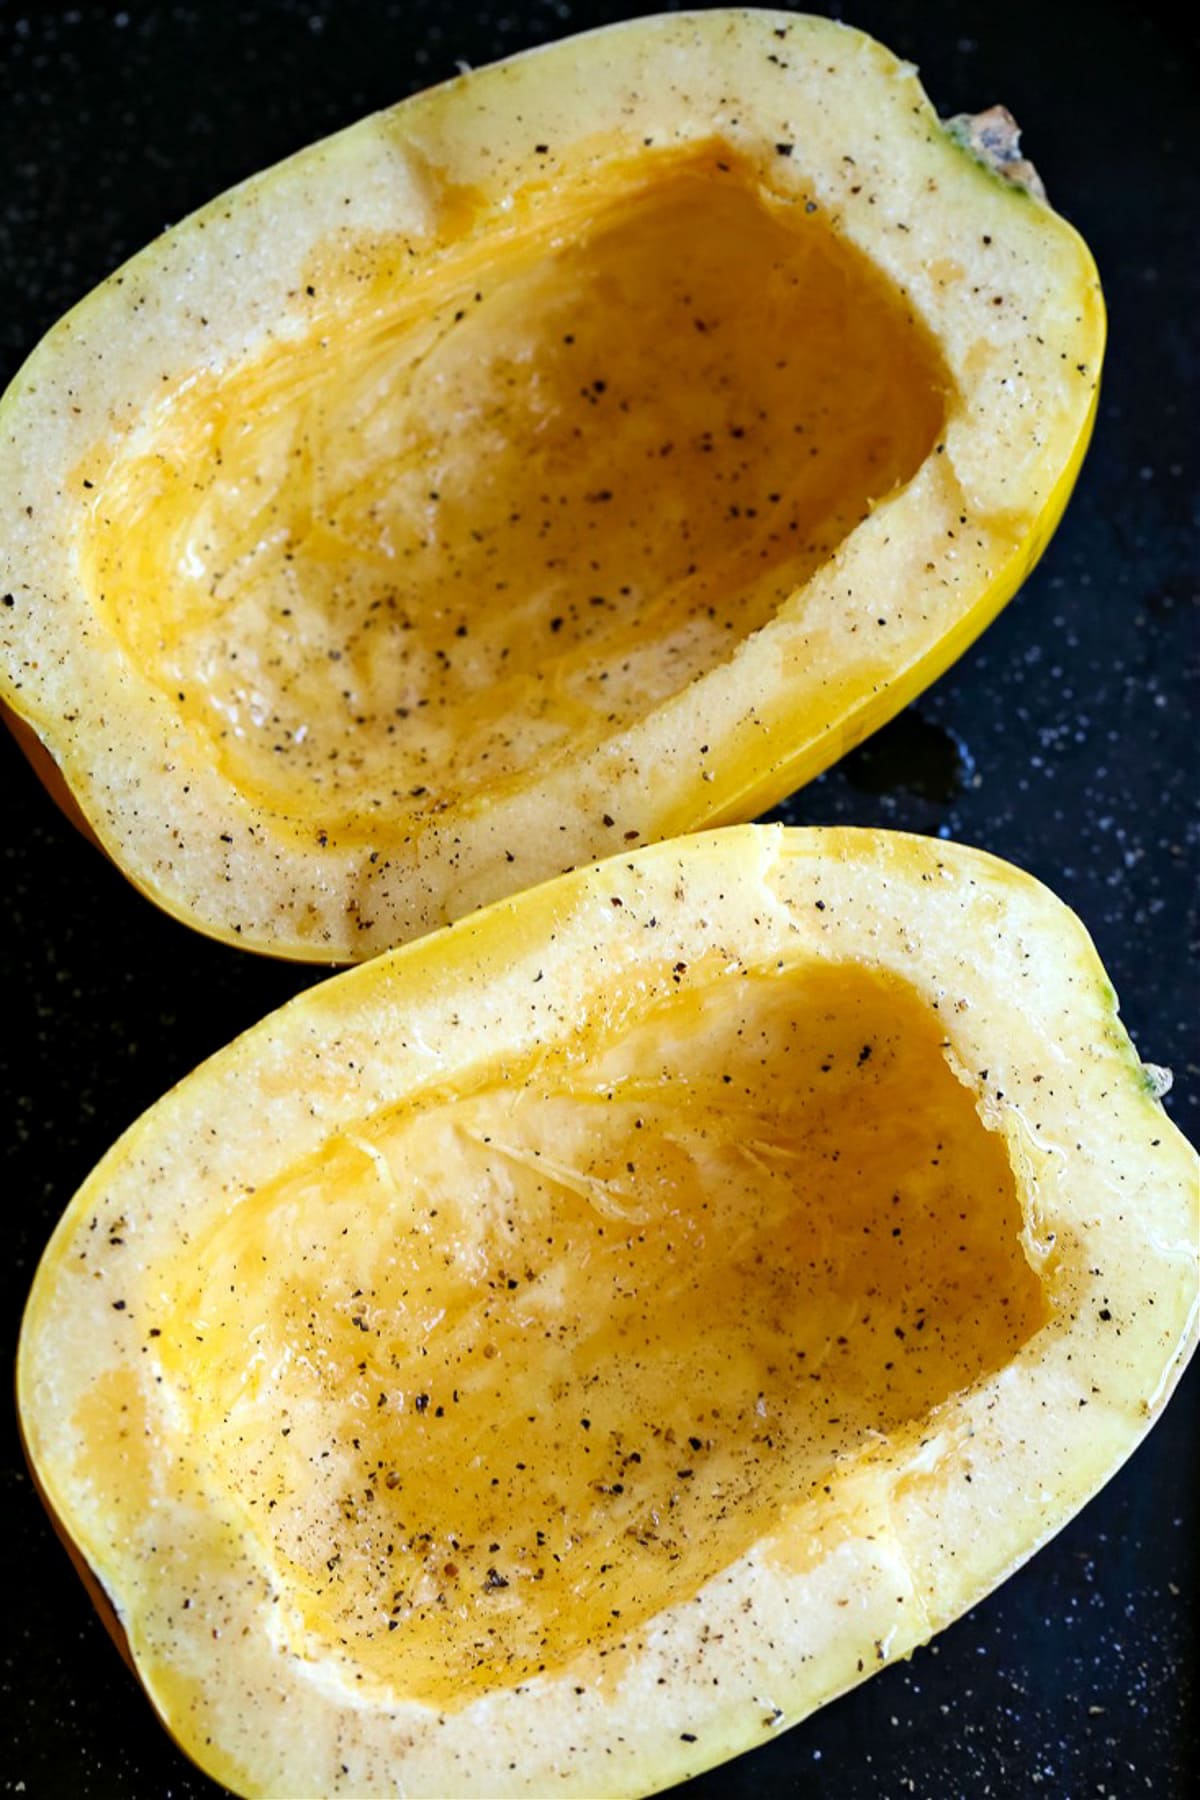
492 513
495 1379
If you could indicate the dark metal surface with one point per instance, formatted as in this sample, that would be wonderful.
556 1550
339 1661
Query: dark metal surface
1064 741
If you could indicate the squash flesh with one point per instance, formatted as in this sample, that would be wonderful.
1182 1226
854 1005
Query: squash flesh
1013 1054
542 1359
528 500
378 834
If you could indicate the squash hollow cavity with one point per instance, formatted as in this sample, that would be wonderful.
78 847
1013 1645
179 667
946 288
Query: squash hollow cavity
502 1375
493 512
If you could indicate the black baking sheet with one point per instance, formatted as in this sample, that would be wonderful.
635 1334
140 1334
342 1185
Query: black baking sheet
1064 741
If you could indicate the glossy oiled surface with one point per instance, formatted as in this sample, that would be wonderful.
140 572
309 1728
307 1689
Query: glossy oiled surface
498 1377
537 490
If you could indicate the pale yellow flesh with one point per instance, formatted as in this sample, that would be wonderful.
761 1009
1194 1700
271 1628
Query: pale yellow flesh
496 1380
530 498
341 615
240 1338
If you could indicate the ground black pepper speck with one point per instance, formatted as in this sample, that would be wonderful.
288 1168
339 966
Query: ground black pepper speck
1064 742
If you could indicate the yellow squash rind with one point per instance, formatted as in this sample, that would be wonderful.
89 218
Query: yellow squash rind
816 120
909 1529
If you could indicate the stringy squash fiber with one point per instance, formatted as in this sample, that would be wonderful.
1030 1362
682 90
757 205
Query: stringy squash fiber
560 1353
586 451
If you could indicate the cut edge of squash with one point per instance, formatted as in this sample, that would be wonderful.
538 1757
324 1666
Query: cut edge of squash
456 168
902 1544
